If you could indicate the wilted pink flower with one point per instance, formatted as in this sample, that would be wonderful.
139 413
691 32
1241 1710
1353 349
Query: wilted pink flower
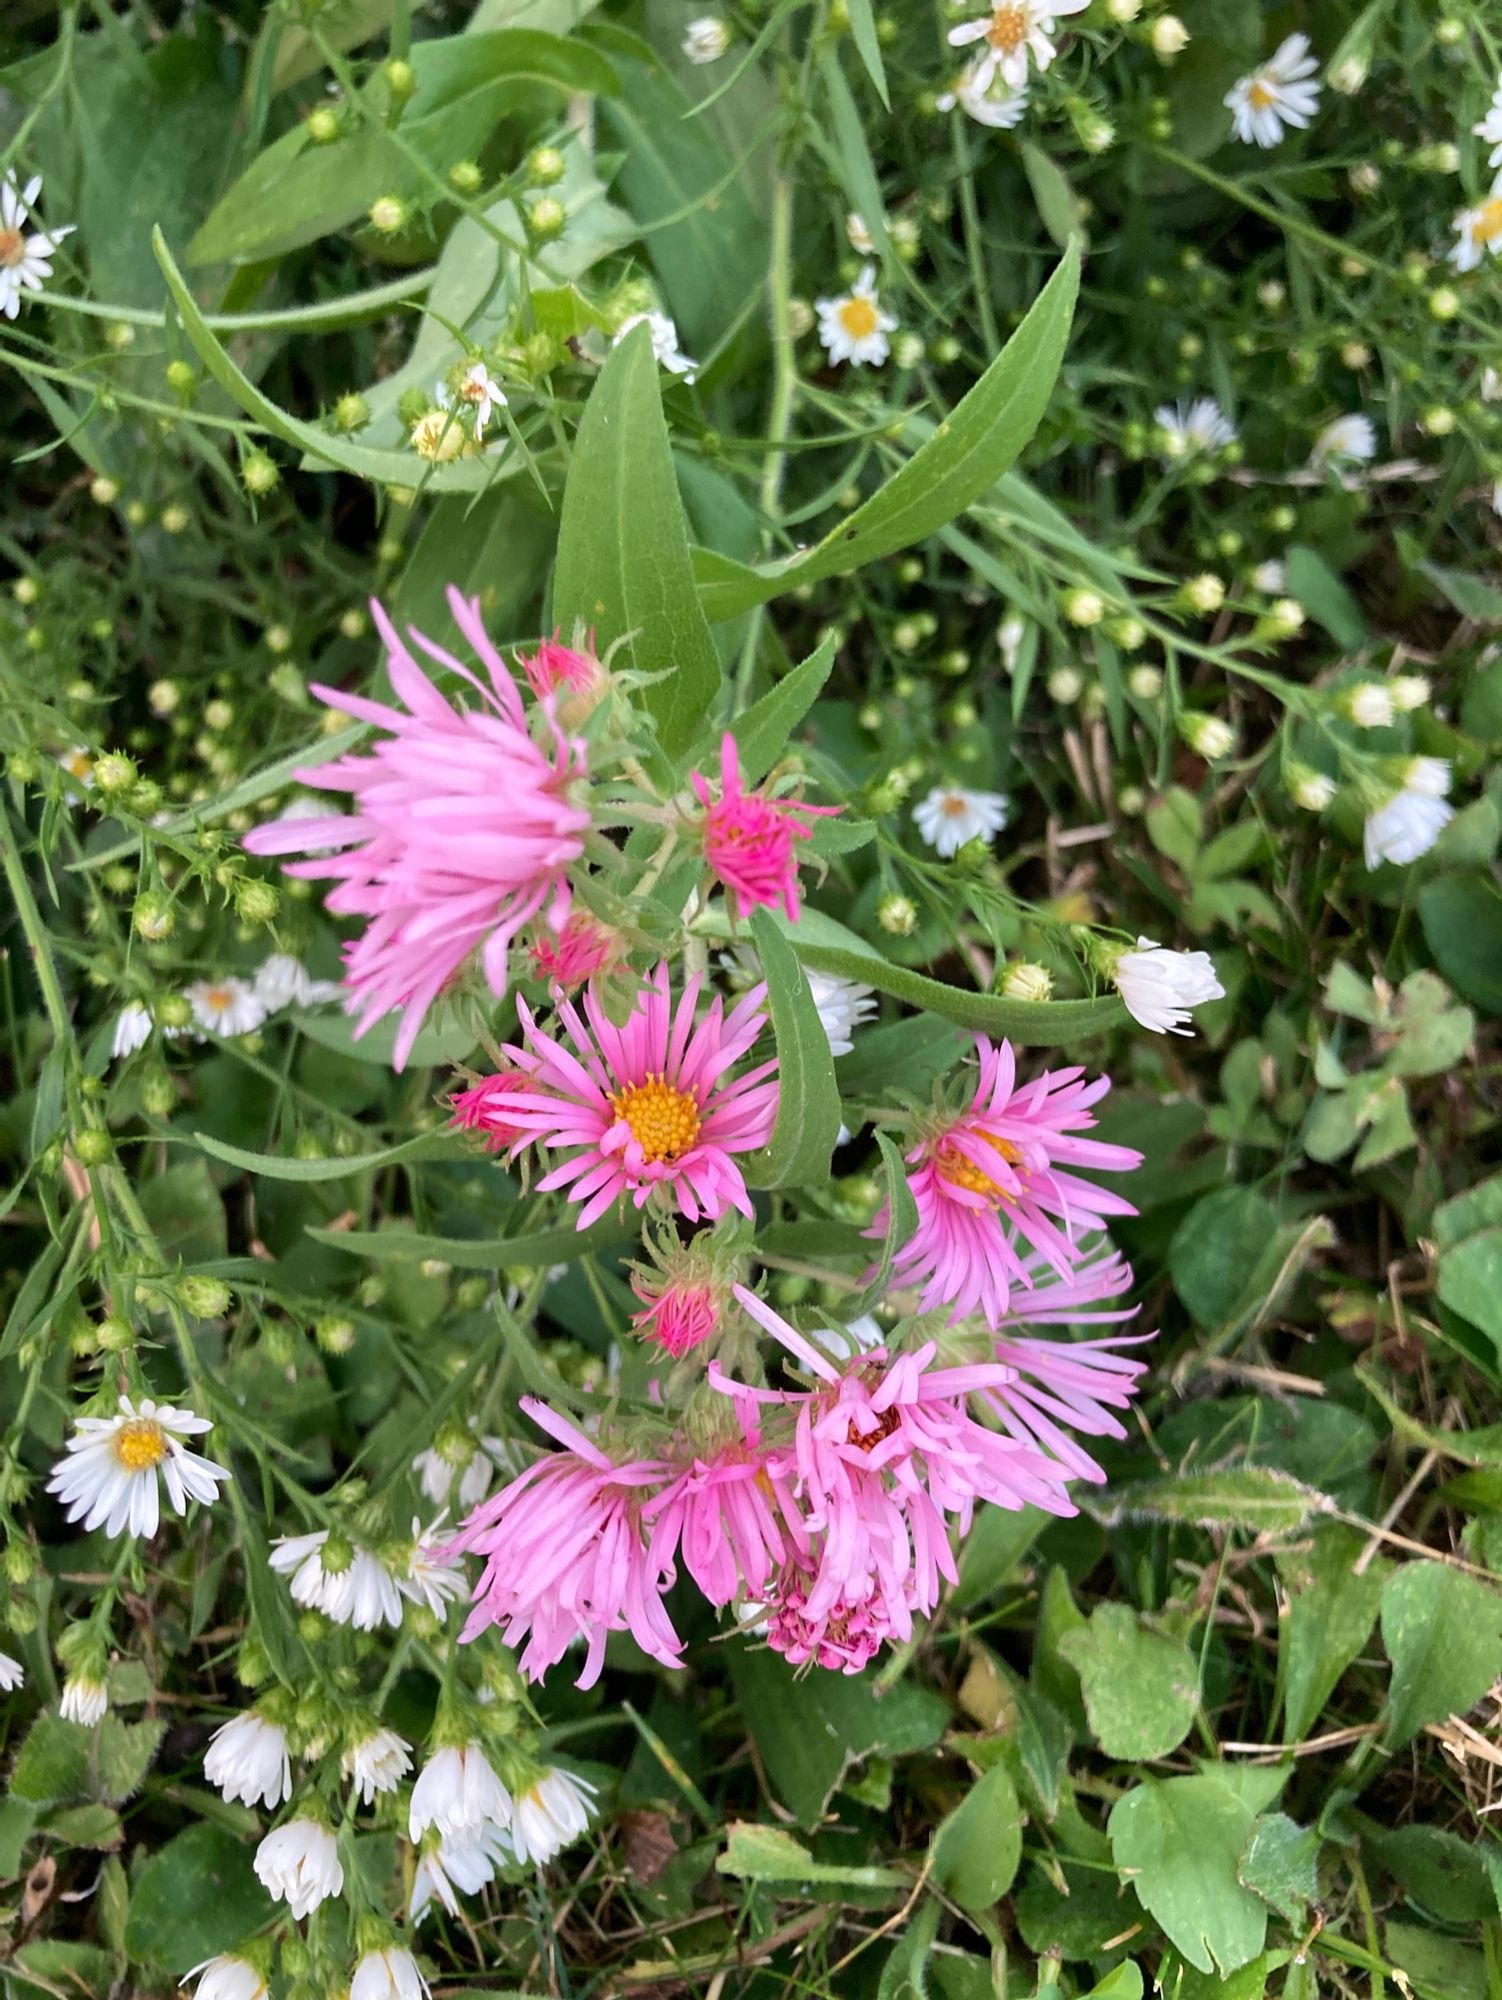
463 829
844 1639
995 1181
482 1108
749 837
731 1515
646 1107
575 954
566 1558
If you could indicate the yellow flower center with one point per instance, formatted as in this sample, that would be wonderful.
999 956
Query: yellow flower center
858 317
1008 29
12 248
218 999
959 1171
664 1122
140 1444
953 806
1487 228
867 1441
78 763
1261 95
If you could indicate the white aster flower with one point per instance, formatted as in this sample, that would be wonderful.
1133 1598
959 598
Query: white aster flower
132 1029
1284 91
1405 828
1478 231
1160 986
1312 790
706 39
284 981
549 1814
109 1476
853 326
12 1674
429 1580
949 817
1348 440
995 103
1428 777
664 337
84 1701
458 1793
226 1978
1490 128
1200 426
225 1006
77 766
842 1006
1011 33
454 1865
1271 577
377 1763
247 1759
1369 705
25 260
437 1473
351 1586
391 1974
478 391
299 1864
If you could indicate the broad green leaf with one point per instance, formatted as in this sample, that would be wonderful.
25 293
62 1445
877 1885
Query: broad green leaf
808 1098
1444 1874
1325 598
1181 1841
122 1754
901 1055
902 1222
184 1209
1058 204
762 733
1462 919
446 1039
1471 595
1280 1865
1216 1248
1443 1633
623 565
527 1250
767 1854
196 1896
1330 1615
52 1765
1141 1688
991 1551
296 191
1256 1498
966 455
57 1966
904 1974
282 1167
977 1848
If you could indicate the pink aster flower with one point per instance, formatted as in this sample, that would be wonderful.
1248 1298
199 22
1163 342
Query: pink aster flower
730 1514
996 1182
749 837
482 1109
566 1557
574 954
678 1313
463 829
647 1107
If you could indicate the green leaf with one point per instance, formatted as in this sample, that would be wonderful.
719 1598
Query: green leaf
184 1209
966 455
1443 1633
1181 1840
902 1222
977 1848
52 1765
1141 1688
527 1250
282 1167
92 1825
767 1854
295 191
1471 595
1322 594
904 1975
623 564
762 733
441 1043
1257 1498
1216 1249
1462 920
1058 204
195 1897
1280 1866
57 1967
1330 1615
123 1753
1445 1875
868 47
808 1098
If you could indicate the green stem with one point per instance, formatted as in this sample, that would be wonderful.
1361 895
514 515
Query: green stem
784 395
36 934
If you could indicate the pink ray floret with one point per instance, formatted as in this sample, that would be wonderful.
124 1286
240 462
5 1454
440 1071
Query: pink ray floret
731 1516
568 958
566 1558
997 1183
649 1107
750 839
463 829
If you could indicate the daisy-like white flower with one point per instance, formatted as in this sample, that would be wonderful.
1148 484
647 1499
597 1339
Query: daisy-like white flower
109 1477
1479 231
1010 34
226 1978
463 832
1200 426
551 1812
646 1107
25 260
862 242
77 766
458 1793
284 981
995 103
996 1182
853 326
448 1866
1410 822
1283 91
446 1478
429 1581
377 1763
247 1759
388 1974
706 39
1271 577
12 1674
663 333
1490 128
478 393
85 1700
225 1007
1348 440
949 817
132 1029
843 1005
298 1864
1160 986
345 1582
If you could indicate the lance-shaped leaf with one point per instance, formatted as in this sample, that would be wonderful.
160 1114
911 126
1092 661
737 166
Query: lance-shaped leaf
808 1102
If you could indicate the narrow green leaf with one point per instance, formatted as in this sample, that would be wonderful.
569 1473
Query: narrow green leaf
527 1250
623 564
1058 205
766 1854
762 733
281 1167
902 1221
1257 1498
852 156
863 34
808 1102
1330 1615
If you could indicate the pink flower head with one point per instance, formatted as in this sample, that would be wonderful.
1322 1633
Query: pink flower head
995 1182
574 954
463 829
749 837
577 678
647 1107
731 1516
679 1313
565 1556
482 1108
844 1639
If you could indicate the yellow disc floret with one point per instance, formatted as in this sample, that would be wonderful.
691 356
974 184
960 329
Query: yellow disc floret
140 1444
664 1121
960 1171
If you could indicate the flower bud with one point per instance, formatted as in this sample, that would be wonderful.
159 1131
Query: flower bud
205 1298
1208 736
897 915
1026 981
1168 37
388 214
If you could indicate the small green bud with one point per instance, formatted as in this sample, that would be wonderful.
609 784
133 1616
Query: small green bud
182 378
546 166
388 214
547 218
92 1146
465 177
114 773
256 901
115 1335
401 78
259 474
205 1298
897 915
324 125
351 412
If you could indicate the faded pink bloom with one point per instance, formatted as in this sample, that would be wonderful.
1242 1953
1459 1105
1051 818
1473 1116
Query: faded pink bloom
646 1107
565 1556
749 837
679 1312
994 1183
463 830
732 1516
581 949
844 1639
482 1108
